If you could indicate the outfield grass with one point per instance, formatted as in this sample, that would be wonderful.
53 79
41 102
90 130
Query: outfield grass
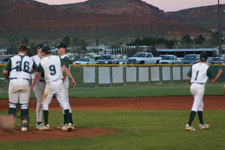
138 91
135 130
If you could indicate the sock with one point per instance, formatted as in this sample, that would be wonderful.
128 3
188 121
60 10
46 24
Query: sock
65 122
24 112
12 111
67 116
200 116
38 123
71 118
192 117
45 113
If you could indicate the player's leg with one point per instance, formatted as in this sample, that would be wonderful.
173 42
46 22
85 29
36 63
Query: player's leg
47 98
200 112
60 94
24 101
202 125
194 92
66 91
13 98
39 92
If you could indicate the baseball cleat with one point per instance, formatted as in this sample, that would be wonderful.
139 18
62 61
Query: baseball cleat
24 129
44 127
189 128
203 126
39 125
60 126
67 127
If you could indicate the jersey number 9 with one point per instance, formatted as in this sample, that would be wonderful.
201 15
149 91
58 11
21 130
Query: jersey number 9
52 70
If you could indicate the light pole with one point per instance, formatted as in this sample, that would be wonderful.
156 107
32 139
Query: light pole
219 28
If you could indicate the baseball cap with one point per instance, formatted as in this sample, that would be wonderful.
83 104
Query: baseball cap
62 45
46 49
40 46
203 56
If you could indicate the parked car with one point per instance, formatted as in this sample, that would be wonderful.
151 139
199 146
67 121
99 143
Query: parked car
122 61
169 59
5 60
190 58
107 59
217 60
143 58
85 61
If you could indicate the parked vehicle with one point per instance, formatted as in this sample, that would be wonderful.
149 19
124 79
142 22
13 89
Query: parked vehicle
143 58
190 58
107 59
217 60
85 61
169 59
122 61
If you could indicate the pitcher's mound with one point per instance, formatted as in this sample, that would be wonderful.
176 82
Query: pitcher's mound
34 134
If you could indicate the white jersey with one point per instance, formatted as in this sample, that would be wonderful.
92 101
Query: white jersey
21 67
51 66
199 73
37 61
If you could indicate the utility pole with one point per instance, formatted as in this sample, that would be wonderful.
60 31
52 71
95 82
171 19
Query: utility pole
219 28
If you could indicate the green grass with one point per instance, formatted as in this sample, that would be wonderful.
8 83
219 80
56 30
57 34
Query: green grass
135 130
144 91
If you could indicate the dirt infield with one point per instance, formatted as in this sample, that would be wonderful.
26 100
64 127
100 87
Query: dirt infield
153 103
34 135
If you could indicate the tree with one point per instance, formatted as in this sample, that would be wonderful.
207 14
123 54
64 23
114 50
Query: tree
66 40
199 40
186 40
25 41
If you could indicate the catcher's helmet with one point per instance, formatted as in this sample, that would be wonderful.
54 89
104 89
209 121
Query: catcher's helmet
46 49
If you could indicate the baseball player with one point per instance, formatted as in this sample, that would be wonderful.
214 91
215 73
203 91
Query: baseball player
51 67
62 52
18 69
197 78
39 87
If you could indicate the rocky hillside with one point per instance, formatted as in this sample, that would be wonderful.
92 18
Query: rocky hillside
117 7
27 18
201 16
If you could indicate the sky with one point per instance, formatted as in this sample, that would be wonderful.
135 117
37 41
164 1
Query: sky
166 5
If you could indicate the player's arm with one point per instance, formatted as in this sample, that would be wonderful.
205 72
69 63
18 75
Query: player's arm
66 62
189 77
7 69
212 76
34 67
67 72
37 77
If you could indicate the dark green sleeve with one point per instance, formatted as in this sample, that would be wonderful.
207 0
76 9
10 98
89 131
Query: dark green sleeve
66 61
211 73
35 65
189 72
8 66
62 62
40 69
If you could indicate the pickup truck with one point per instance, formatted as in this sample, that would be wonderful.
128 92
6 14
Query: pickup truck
143 58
